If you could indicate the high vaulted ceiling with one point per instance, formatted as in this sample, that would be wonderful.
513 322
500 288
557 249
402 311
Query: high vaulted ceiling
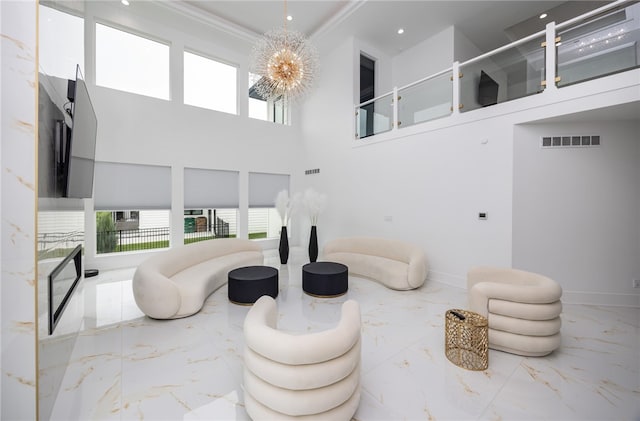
489 24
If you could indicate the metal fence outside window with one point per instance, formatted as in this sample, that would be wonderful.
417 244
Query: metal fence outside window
118 241
132 240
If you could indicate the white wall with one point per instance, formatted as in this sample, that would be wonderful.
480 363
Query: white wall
428 57
463 48
328 126
576 211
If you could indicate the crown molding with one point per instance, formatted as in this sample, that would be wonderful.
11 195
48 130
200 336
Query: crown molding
350 8
248 35
210 19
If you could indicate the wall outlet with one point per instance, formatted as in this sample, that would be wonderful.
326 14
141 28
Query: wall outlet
482 215
636 283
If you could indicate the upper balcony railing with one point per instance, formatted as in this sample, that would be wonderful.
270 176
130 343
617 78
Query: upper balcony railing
599 43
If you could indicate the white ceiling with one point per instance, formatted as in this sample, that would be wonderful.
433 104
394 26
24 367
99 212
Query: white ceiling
376 21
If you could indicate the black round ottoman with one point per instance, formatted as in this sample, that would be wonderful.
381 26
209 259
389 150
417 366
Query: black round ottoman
249 283
325 279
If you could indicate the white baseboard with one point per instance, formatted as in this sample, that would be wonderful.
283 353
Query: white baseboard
447 279
601 298
568 297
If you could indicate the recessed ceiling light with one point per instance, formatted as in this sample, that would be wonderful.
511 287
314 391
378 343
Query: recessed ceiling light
125 2
542 16
289 17
400 31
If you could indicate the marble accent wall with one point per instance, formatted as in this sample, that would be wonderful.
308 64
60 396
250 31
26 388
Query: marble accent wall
18 210
60 230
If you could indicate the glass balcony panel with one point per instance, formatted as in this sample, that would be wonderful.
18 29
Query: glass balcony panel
375 117
428 100
507 75
598 47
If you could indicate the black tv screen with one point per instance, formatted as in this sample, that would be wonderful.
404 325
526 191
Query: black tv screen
82 147
52 139
487 90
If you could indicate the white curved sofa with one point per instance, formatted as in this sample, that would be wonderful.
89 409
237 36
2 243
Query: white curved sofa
307 376
523 309
393 263
175 283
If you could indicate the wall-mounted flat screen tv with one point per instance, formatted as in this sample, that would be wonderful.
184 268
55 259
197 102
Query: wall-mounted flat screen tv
53 132
82 143
487 90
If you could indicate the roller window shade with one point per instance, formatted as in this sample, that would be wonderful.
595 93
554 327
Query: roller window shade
131 186
264 187
204 189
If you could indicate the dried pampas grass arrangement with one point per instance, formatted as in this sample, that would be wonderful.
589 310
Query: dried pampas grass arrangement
286 205
315 203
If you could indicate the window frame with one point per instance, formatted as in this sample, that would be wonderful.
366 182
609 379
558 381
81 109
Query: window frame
141 34
73 13
271 105
236 66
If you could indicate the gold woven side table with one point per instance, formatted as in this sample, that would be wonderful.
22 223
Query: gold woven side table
466 339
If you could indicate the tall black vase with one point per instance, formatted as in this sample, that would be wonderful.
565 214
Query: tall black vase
284 246
313 245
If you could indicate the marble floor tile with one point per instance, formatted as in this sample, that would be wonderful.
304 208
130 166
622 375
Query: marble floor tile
126 366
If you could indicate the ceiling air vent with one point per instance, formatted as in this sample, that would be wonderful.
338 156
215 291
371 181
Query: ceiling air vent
569 141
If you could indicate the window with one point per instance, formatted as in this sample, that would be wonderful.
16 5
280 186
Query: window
135 218
258 107
264 223
148 186
367 78
279 111
209 84
264 220
367 92
211 201
131 230
61 43
262 109
209 224
131 63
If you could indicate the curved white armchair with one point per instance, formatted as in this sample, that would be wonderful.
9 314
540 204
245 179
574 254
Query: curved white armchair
309 376
523 309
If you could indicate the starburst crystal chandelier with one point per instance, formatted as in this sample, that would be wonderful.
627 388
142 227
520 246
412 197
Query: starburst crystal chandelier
286 62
